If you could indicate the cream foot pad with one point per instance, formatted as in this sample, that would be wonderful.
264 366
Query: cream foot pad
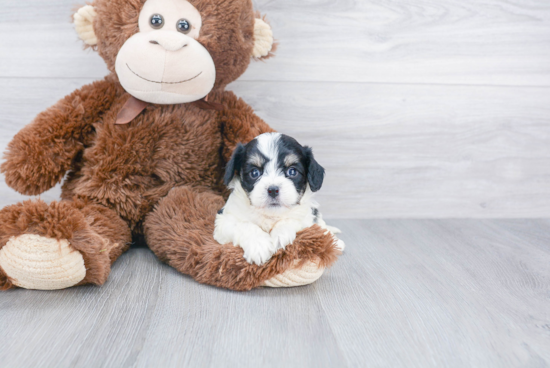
36 262
306 275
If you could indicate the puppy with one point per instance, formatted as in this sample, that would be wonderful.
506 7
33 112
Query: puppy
273 179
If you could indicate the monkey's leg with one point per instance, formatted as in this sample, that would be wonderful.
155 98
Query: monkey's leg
59 245
180 232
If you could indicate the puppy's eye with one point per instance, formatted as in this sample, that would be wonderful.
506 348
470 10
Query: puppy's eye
183 26
254 174
292 172
156 21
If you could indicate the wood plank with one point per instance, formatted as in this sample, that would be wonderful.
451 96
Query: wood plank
415 293
54 52
455 293
218 328
39 12
389 150
496 42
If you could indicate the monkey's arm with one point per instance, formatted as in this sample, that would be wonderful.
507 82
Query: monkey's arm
39 155
239 124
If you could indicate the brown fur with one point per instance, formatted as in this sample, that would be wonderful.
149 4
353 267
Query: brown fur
5 282
41 153
98 233
186 216
117 174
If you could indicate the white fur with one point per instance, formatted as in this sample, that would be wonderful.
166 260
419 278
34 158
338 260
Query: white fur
249 222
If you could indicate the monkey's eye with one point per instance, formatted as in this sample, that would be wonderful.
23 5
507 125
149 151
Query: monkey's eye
254 174
157 21
292 172
184 26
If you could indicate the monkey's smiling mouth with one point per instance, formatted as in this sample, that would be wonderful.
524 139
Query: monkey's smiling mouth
152 81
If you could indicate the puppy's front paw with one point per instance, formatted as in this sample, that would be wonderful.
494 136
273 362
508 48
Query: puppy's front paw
258 250
340 244
282 237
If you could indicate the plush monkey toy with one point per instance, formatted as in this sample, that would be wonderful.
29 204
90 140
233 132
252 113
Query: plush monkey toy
142 153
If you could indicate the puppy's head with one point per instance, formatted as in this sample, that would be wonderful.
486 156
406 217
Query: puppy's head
275 171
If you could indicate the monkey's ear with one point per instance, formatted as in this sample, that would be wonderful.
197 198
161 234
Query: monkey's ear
84 24
264 44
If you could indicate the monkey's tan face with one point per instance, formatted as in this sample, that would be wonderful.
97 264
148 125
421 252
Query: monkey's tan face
163 63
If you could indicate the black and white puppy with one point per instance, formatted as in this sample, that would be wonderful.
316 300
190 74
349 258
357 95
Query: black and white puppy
273 179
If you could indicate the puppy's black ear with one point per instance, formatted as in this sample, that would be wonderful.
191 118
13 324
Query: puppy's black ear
234 164
315 172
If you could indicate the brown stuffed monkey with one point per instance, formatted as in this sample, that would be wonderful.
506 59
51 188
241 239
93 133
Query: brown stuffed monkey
142 153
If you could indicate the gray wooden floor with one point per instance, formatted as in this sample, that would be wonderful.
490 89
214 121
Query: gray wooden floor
407 293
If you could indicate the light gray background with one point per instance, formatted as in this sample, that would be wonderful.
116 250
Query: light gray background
416 109
428 109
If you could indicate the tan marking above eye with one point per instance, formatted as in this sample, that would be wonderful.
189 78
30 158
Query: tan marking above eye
291 160
256 160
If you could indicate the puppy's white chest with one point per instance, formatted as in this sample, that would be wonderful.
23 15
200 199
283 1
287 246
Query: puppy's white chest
268 223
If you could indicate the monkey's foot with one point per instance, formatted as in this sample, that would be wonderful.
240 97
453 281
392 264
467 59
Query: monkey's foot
37 262
307 274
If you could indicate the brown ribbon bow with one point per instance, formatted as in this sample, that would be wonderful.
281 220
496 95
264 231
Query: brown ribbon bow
133 107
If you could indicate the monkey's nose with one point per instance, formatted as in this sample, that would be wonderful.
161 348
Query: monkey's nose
170 41
273 191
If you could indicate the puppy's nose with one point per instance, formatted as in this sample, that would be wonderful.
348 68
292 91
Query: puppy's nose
273 191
